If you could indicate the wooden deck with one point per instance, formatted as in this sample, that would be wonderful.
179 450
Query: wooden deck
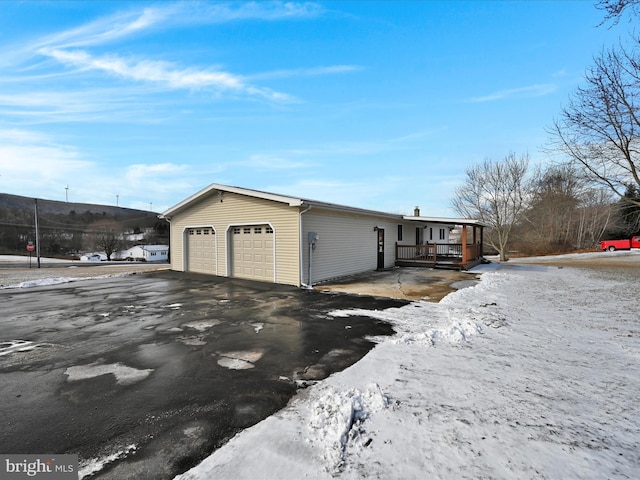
454 256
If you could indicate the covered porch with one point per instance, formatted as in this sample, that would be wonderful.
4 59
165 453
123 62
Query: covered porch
465 254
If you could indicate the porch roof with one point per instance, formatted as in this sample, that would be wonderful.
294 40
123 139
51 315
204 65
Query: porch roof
445 220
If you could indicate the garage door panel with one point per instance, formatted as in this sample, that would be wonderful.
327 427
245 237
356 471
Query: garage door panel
201 254
253 256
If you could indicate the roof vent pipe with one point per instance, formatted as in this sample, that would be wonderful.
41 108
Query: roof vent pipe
416 211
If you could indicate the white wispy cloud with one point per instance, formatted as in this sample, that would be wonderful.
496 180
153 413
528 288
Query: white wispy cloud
32 161
258 10
136 22
305 72
275 162
108 29
76 49
101 104
136 174
538 90
162 72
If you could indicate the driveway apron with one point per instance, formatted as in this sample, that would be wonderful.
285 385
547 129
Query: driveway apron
144 376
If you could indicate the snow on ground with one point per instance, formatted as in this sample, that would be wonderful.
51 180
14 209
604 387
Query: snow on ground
25 277
24 259
533 373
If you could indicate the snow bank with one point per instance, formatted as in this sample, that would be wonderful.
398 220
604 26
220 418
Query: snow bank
44 282
530 374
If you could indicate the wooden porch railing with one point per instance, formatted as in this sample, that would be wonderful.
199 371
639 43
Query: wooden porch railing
434 253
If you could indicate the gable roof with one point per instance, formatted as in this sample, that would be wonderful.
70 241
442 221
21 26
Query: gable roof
304 202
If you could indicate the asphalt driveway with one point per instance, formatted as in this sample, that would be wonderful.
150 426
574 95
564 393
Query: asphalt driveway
143 376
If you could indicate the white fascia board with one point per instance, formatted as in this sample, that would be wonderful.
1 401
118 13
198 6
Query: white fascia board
452 221
291 201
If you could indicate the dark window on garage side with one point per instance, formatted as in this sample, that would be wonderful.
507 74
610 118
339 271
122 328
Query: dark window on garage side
399 233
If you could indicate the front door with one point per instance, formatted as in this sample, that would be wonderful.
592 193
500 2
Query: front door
380 248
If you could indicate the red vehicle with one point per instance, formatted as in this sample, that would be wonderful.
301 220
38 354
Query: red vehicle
611 245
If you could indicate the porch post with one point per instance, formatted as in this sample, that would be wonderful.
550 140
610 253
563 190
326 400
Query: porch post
465 258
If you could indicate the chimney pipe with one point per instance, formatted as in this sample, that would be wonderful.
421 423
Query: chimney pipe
416 211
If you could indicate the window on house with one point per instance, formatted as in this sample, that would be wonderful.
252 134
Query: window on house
442 234
191 232
198 232
257 230
430 233
399 233
247 230
269 230
236 231
206 231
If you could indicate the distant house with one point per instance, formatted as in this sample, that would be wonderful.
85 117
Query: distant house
148 253
93 257
238 232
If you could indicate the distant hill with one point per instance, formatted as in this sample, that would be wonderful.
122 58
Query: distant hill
65 208
68 228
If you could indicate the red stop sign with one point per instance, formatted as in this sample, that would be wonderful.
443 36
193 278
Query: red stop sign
30 247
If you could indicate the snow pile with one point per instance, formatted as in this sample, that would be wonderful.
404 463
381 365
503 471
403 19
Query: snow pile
447 322
93 465
16 346
337 422
45 282
123 374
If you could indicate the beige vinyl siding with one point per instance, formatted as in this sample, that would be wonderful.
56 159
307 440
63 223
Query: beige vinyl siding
347 243
223 212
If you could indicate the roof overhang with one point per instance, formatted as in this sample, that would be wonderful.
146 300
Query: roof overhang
216 187
444 220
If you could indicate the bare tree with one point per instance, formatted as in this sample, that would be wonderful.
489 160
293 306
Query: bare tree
496 194
599 130
595 216
553 206
614 9
107 236
565 212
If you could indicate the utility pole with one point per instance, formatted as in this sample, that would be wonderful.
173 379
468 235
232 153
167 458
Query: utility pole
37 235
66 193
117 200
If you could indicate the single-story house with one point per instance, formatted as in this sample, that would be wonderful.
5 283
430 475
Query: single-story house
149 253
238 232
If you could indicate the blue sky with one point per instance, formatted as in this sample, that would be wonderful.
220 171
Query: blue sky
374 104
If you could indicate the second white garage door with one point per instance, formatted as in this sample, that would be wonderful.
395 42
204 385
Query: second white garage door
201 250
253 252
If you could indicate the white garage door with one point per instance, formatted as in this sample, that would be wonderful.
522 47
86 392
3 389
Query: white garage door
253 252
201 250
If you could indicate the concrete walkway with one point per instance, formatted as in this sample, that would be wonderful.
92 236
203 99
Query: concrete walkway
407 283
